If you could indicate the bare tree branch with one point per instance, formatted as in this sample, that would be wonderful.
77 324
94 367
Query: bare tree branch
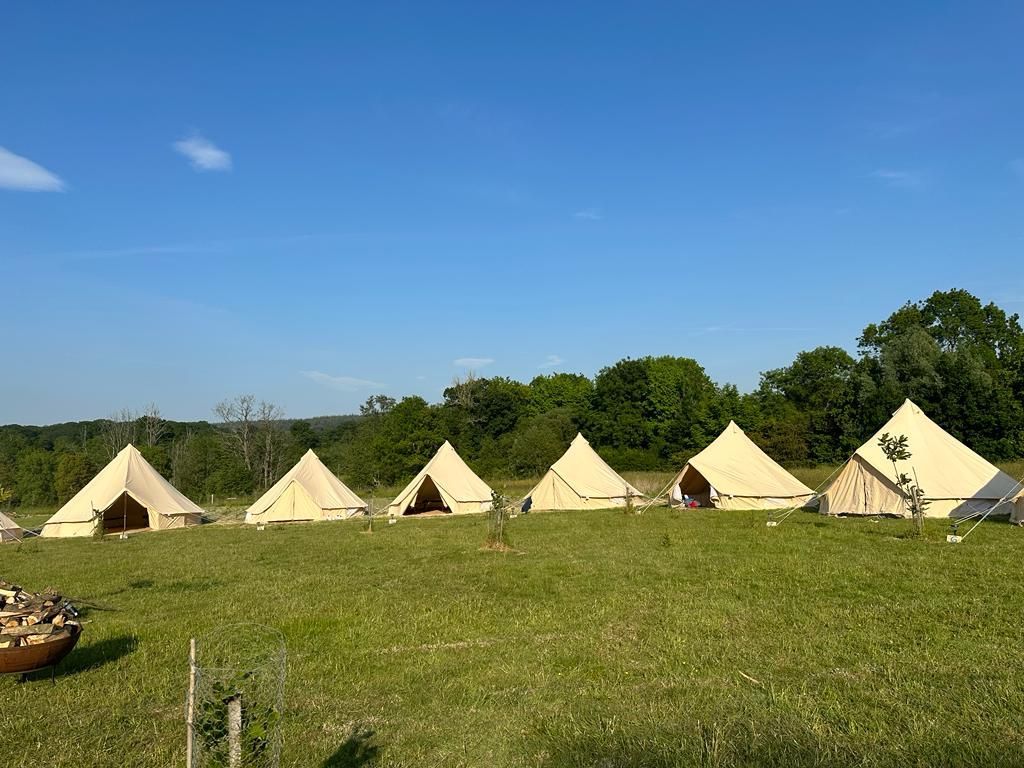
237 415
120 429
153 424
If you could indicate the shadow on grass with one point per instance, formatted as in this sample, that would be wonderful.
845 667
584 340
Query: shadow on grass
359 749
710 746
93 655
596 742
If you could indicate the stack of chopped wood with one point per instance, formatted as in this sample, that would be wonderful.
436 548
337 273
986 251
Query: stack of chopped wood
30 618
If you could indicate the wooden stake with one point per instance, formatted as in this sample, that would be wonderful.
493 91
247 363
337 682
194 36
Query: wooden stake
190 707
235 731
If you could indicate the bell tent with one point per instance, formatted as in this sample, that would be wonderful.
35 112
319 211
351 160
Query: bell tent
309 491
956 481
9 530
580 479
445 485
127 495
734 473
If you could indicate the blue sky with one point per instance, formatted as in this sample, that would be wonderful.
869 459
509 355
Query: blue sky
320 202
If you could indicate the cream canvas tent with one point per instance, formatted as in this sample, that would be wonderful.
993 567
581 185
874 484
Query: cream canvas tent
9 530
127 494
733 473
956 481
580 479
309 491
445 485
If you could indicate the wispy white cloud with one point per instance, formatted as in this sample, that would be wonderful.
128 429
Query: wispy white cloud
472 362
1017 166
898 178
17 172
343 383
551 362
589 214
203 154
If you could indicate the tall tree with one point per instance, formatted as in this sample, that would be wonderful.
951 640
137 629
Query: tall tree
153 425
818 385
34 478
571 391
71 472
238 416
119 430
270 439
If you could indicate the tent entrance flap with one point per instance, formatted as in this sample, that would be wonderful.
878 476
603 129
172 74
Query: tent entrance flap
428 499
125 514
694 485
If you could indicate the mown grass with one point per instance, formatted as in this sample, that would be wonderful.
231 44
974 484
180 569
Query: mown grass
675 638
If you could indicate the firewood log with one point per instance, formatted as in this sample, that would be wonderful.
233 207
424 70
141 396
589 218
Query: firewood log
37 629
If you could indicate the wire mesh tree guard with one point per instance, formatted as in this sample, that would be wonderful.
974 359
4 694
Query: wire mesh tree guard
236 698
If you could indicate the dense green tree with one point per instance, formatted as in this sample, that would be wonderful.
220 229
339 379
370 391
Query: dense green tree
480 409
620 415
570 391
303 436
540 440
158 457
956 320
72 471
405 439
34 478
12 444
377 405
818 385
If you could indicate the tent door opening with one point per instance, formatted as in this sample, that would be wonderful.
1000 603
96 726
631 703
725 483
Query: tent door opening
125 514
695 487
428 499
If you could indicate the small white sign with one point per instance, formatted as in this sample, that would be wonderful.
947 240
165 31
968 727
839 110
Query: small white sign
951 539
772 523
392 521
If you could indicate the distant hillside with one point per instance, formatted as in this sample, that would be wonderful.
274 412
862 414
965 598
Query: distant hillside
74 430
322 423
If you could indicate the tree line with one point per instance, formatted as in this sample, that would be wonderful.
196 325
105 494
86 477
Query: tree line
960 359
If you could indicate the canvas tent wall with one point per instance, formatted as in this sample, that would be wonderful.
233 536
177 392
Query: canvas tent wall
580 479
9 530
308 491
956 481
445 485
127 494
734 473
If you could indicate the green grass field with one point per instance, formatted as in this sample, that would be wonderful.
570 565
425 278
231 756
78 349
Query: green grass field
675 638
